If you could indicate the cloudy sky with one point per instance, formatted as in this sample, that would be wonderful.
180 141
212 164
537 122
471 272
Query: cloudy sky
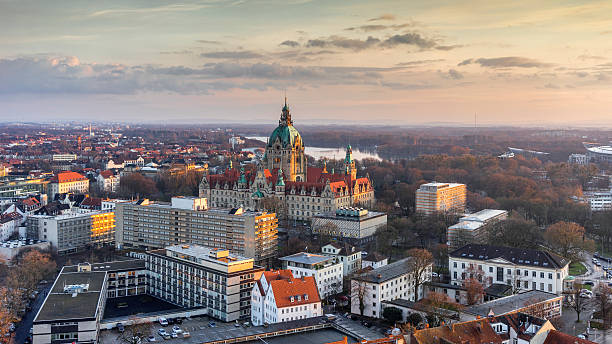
545 62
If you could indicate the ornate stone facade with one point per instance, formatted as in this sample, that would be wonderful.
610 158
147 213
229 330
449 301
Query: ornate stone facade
284 184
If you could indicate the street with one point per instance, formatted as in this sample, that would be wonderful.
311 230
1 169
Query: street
22 330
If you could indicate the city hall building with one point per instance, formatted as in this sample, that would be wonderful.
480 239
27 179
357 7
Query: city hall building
301 191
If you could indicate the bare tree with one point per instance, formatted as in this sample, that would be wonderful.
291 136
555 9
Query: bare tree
7 315
359 294
420 265
135 332
603 297
575 301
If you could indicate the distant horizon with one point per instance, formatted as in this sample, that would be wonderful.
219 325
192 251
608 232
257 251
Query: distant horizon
519 63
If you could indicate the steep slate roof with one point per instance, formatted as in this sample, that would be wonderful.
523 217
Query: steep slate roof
519 256
386 272
106 174
476 331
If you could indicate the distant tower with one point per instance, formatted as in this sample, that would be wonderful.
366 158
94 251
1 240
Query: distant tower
349 163
285 149
79 142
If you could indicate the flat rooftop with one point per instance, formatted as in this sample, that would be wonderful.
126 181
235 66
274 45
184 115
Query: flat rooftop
483 215
511 303
207 254
334 216
307 258
120 265
60 305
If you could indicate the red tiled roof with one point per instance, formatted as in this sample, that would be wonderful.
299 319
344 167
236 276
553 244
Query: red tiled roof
106 174
284 289
30 201
68 176
556 337
92 201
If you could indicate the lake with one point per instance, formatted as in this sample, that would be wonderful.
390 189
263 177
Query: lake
329 153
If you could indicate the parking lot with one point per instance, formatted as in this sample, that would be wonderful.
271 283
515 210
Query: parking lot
200 330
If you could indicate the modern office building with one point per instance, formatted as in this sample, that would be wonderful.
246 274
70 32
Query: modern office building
579 159
473 228
389 282
64 157
522 269
71 232
354 225
327 271
68 181
196 276
440 197
188 220
72 310
279 297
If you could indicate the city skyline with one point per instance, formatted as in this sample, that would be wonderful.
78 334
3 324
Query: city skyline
356 62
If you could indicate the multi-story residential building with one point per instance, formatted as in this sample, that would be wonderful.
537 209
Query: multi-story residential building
579 159
64 157
71 232
301 191
107 181
196 276
279 297
68 181
474 228
354 225
73 308
327 271
188 220
9 224
374 260
390 282
347 254
440 197
522 269
599 200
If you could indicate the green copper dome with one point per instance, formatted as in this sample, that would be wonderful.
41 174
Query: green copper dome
286 134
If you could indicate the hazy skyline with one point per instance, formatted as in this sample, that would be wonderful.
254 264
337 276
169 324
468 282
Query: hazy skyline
395 62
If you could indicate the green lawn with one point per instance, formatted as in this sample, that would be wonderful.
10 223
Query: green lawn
577 268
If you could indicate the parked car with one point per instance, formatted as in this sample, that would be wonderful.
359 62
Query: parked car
247 324
186 334
591 283
151 339
176 329
236 324
163 321
178 320
212 324
120 327
162 332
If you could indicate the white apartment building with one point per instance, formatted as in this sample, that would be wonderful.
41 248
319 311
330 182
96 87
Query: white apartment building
279 297
347 254
390 282
524 269
64 157
473 228
580 159
107 181
374 260
327 271
600 200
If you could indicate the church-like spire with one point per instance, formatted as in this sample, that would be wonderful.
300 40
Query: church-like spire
285 119
324 166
